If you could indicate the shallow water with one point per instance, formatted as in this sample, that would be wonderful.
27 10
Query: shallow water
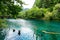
30 30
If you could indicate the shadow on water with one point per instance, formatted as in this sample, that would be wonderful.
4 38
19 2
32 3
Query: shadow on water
2 34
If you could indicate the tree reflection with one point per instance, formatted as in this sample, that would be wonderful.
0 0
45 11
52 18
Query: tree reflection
2 34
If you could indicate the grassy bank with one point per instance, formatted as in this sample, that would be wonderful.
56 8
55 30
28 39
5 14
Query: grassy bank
3 23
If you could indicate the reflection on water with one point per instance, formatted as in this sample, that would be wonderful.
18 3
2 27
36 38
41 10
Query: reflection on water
26 34
2 35
31 30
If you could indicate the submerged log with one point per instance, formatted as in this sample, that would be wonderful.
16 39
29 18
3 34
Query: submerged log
50 32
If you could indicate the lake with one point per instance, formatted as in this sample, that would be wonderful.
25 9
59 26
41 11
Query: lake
31 30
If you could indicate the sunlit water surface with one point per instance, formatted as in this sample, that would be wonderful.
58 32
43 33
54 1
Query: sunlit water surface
30 30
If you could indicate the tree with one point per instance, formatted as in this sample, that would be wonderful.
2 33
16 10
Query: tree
33 13
7 7
46 3
56 11
3 24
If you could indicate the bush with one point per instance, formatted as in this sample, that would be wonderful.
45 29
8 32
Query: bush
3 24
48 16
34 13
56 11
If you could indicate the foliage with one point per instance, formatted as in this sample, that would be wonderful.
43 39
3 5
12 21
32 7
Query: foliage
8 9
49 4
52 6
48 15
42 9
56 11
46 3
34 13
3 23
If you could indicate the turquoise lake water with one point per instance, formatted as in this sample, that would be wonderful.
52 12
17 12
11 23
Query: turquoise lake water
30 30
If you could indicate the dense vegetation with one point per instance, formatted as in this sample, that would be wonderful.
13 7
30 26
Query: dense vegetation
8 8
3 23
42 9
52 6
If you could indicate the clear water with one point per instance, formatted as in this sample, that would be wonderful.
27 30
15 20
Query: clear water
30 30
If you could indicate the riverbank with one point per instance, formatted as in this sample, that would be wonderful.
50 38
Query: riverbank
3 23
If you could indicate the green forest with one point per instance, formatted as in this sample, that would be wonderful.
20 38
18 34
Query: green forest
42 9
